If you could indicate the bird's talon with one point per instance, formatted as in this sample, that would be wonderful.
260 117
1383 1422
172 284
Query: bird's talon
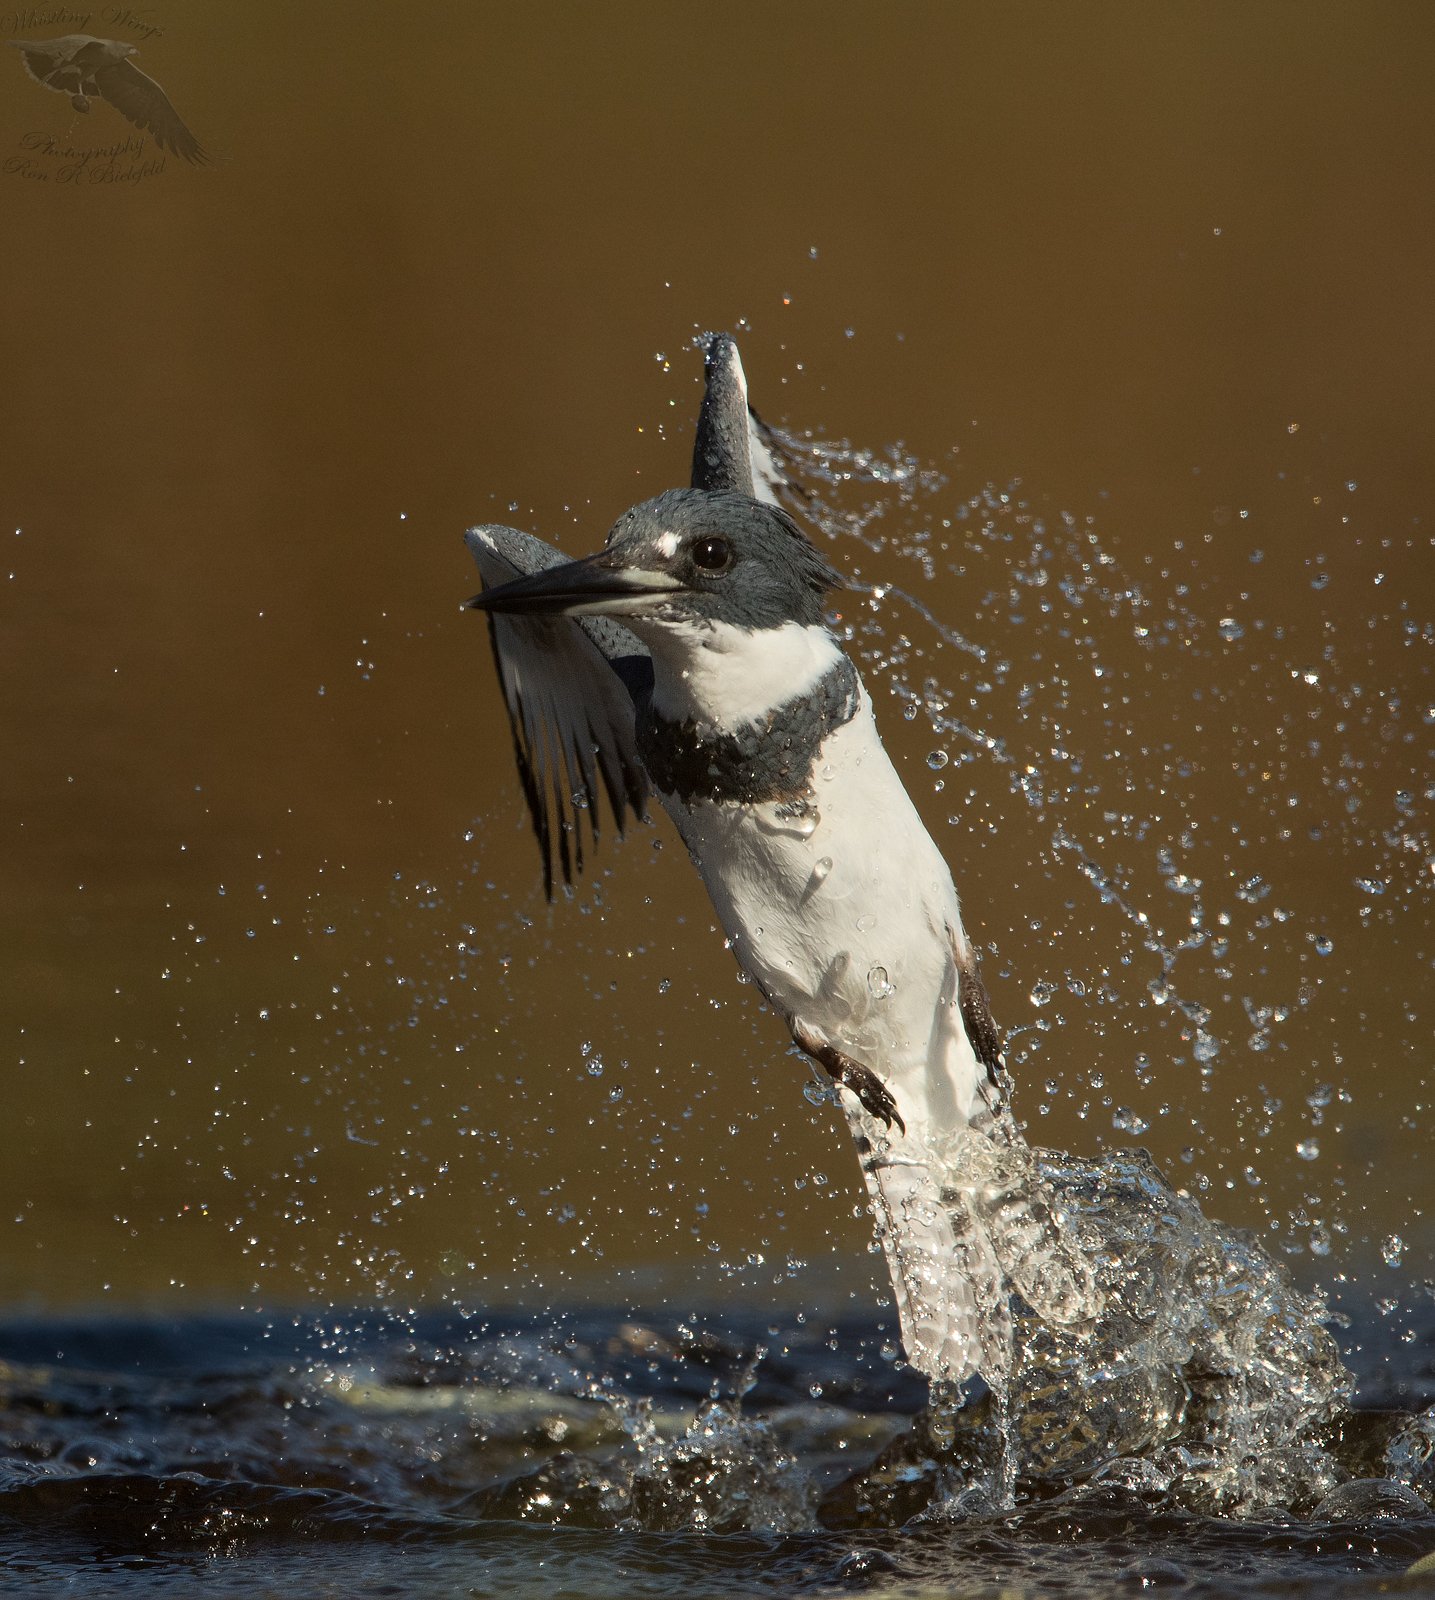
873 1094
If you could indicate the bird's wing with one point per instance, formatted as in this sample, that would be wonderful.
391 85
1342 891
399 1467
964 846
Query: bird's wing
41 58
136 96
734 448
569 685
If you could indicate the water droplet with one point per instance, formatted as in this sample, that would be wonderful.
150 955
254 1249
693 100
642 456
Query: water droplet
1207 1047
1308 1149
937 760
1230 630
866 922
1125 1120
1042 992
820 870
1324 944
878 983
796 816
1371 885
1392 1248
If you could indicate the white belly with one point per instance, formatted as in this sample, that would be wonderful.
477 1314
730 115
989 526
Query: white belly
845 916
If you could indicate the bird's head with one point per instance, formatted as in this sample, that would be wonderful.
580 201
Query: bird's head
690 558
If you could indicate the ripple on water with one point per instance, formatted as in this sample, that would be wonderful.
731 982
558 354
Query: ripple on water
618 1456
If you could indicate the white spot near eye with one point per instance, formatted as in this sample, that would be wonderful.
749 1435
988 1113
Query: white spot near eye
668 545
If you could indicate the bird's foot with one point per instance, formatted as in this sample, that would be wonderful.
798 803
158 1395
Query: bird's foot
985 1036
862 1081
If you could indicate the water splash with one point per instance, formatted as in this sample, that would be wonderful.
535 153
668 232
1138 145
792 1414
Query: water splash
1138 832
726 1473
1145 1333
1184 1364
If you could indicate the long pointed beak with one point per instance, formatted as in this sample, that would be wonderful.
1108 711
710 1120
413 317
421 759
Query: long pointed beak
596 585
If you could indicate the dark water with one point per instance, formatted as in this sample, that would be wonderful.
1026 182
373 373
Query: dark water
605 1452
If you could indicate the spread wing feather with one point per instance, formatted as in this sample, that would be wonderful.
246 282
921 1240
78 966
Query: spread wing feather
43 65
568 685
134 94
735 449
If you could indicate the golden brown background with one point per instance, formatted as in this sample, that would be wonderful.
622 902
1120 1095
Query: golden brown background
284 1013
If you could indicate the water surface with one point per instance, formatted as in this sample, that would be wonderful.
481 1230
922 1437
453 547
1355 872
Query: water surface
597 1452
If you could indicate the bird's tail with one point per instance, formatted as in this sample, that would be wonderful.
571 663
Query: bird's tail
963 1226
946 1280
1042 1260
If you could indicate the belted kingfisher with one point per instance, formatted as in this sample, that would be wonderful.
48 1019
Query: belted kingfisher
690 657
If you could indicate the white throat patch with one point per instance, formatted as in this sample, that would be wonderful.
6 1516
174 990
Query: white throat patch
727 676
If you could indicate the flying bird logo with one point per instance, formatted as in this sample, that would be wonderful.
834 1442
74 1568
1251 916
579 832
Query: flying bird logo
80 66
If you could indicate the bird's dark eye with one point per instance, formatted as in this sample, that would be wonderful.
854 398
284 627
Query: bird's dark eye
712 555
